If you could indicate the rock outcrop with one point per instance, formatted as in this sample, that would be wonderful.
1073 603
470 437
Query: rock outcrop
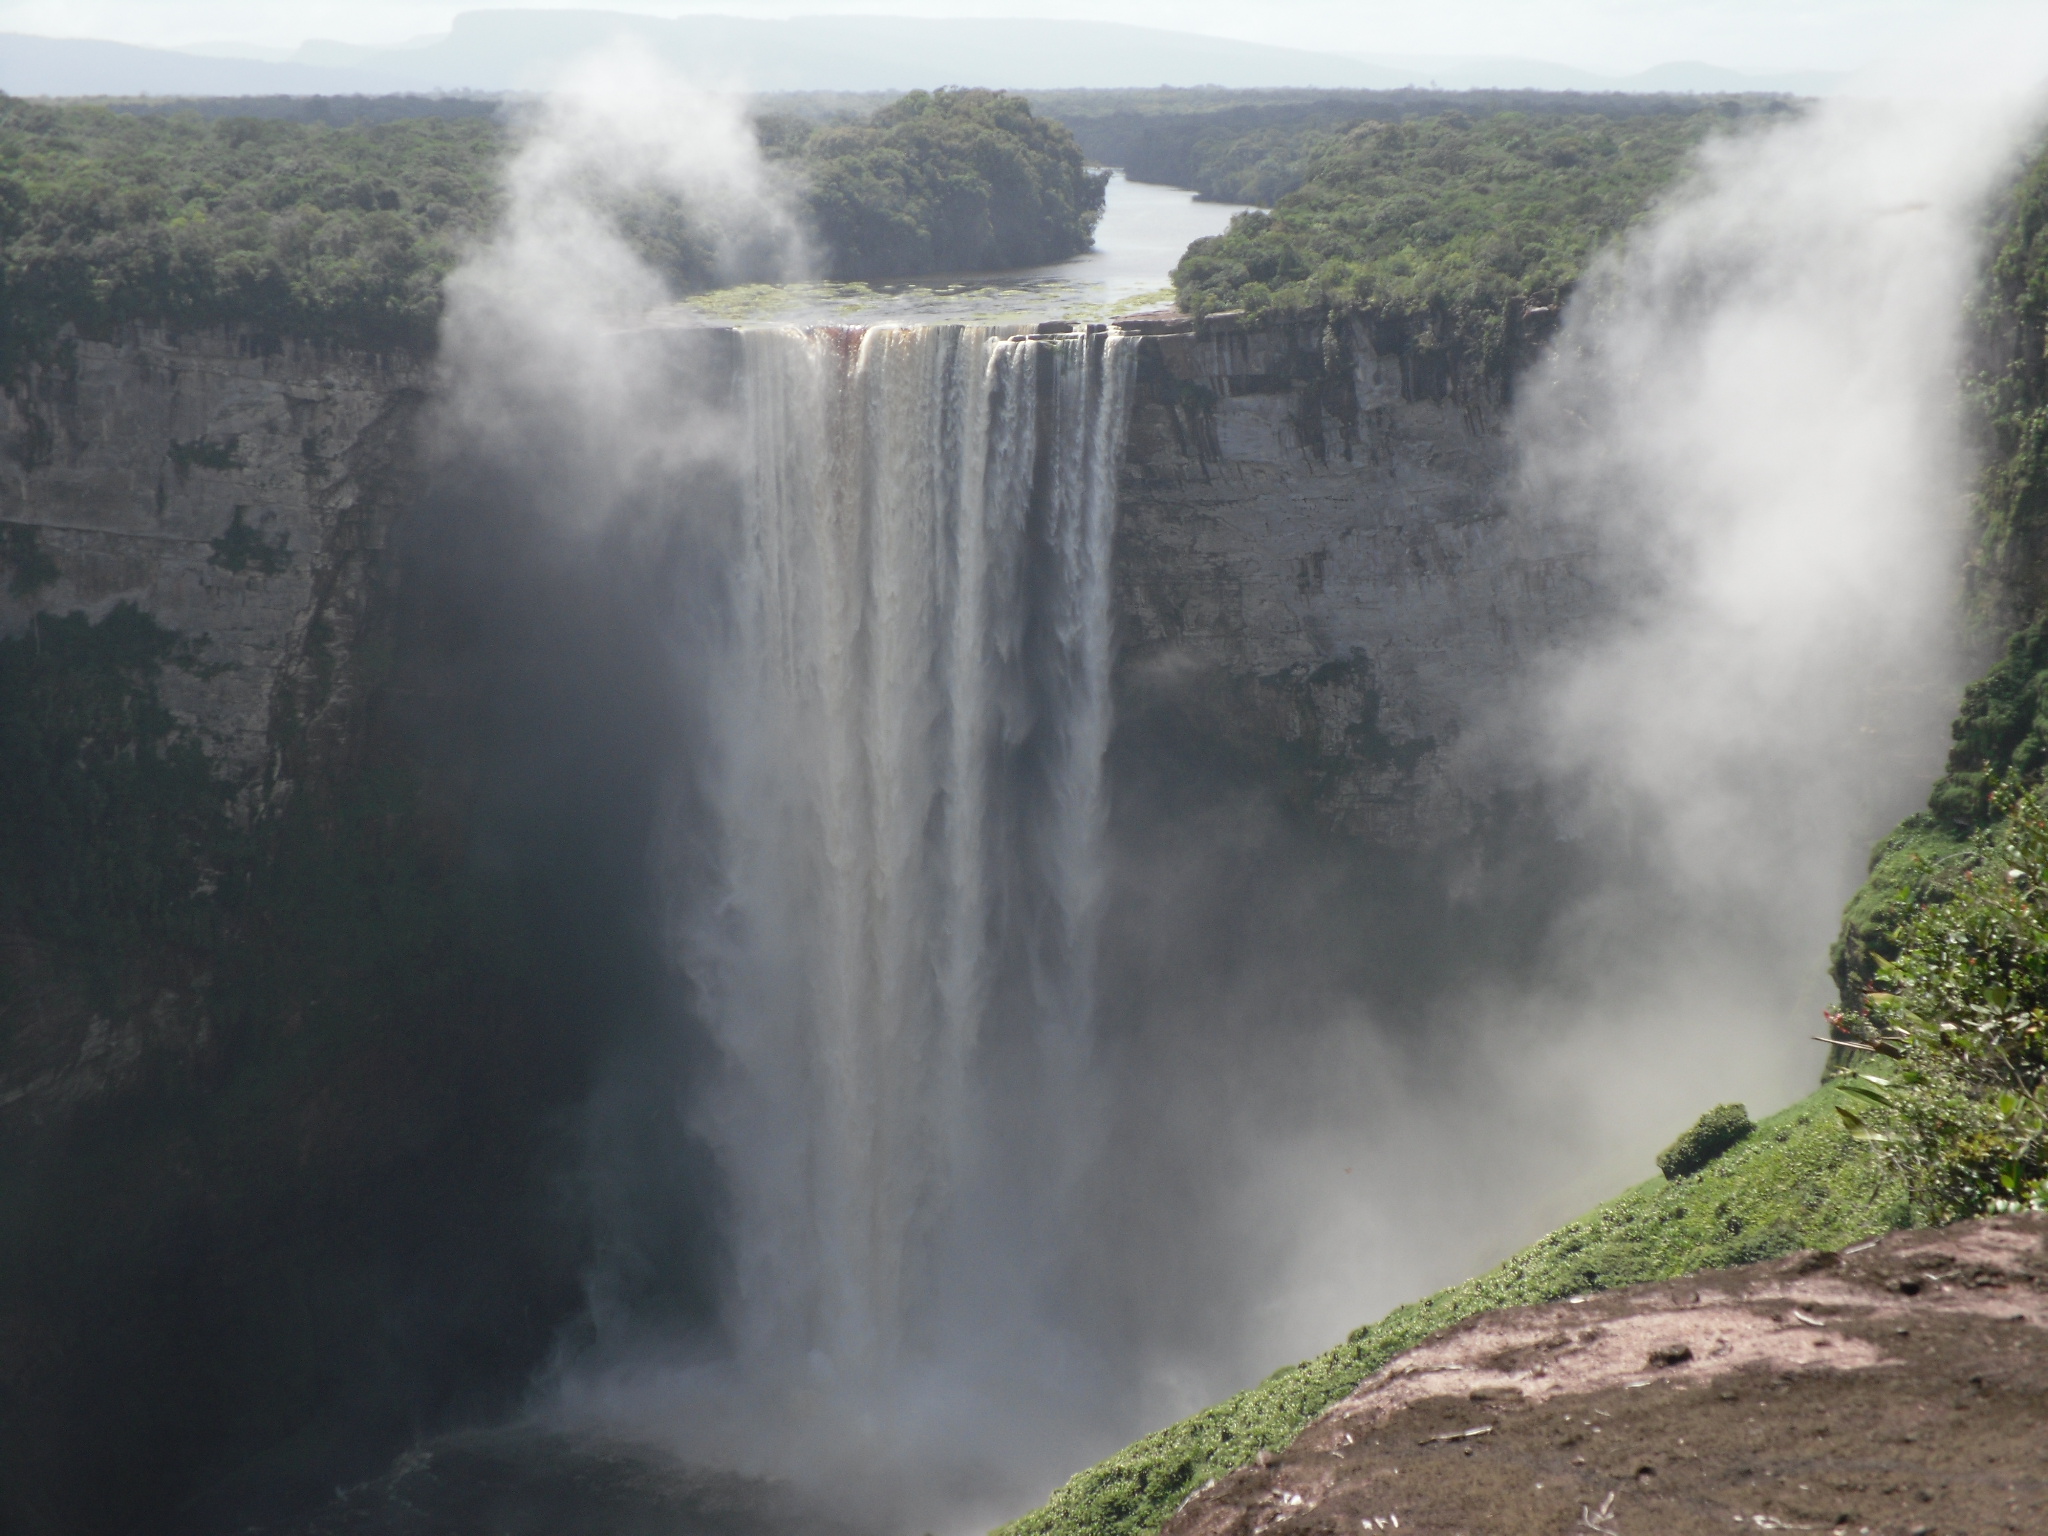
233 486
1899 1386
1317 564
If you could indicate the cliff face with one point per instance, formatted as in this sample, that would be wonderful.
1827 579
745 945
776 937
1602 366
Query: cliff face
1315 566
236 488
312 1107
281 1080
1317 571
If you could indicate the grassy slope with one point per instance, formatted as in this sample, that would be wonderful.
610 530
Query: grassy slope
1797 1182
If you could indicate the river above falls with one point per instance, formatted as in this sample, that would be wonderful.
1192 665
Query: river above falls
1145 229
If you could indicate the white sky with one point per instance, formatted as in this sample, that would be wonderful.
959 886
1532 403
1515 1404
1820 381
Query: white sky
1615 36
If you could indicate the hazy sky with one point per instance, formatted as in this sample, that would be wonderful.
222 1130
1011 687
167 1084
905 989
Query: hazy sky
1610 35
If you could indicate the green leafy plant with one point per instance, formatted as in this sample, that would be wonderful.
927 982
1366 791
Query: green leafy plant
1801 1181
944 181
1958 1028
1712 1134
344 234
292 229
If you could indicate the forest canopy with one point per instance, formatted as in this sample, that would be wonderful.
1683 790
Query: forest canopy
344 233
944 181
1445 224
1257 146
333 234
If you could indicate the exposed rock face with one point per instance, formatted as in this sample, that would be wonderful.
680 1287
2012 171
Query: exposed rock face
1317 564
1899 1386
232 486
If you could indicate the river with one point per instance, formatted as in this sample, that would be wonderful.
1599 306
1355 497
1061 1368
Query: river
1145 229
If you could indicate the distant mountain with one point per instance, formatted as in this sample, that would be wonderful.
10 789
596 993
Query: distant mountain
1512 74
67 66
497 50
519 50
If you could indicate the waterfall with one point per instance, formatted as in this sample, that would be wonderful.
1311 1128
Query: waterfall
910 710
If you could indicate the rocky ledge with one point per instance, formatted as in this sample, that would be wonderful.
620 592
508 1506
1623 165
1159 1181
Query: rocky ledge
1899 1388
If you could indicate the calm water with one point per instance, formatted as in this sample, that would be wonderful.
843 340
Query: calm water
1143 232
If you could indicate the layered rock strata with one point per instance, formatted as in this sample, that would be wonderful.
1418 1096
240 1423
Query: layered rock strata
238 488
1318 565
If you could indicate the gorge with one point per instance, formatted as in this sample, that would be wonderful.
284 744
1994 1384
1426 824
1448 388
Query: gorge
943 840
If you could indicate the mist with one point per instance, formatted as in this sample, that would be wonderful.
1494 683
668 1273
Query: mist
830 1171
1011 1086
1751 438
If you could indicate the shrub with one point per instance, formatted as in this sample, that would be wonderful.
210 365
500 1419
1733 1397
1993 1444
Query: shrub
1959 1019
1712 1134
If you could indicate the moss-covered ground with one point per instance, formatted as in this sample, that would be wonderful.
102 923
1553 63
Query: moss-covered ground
1797 1181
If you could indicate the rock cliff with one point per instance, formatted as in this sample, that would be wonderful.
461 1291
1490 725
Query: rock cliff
1317 565
313 1105
235 487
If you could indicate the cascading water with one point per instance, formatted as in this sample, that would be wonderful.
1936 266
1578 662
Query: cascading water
910 715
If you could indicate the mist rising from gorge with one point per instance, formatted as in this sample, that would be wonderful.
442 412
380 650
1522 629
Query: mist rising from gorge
1280 1115
1750 430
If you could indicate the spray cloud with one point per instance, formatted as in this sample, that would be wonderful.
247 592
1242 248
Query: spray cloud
888 553
1747 439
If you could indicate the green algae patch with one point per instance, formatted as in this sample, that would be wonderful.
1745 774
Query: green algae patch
1797 1181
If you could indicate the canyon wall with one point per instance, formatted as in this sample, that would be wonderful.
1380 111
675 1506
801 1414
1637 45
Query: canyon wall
1318 569
236 487
294 1147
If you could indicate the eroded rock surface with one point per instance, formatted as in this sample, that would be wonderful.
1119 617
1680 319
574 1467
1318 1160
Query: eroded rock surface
235 487
1899 1387
1319 566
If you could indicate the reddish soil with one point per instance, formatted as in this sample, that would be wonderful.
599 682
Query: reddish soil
1899 1388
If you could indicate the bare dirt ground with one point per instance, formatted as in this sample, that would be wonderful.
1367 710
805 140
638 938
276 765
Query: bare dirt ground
1899 1388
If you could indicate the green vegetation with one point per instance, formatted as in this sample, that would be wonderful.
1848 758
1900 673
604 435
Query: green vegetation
1446 231
1913 864
1256 146
335 234
242 548
1800 1180
1943 960
30 567
1712 1134
343 234
114 816
1959 1024
2010 392
2000 733
945 181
